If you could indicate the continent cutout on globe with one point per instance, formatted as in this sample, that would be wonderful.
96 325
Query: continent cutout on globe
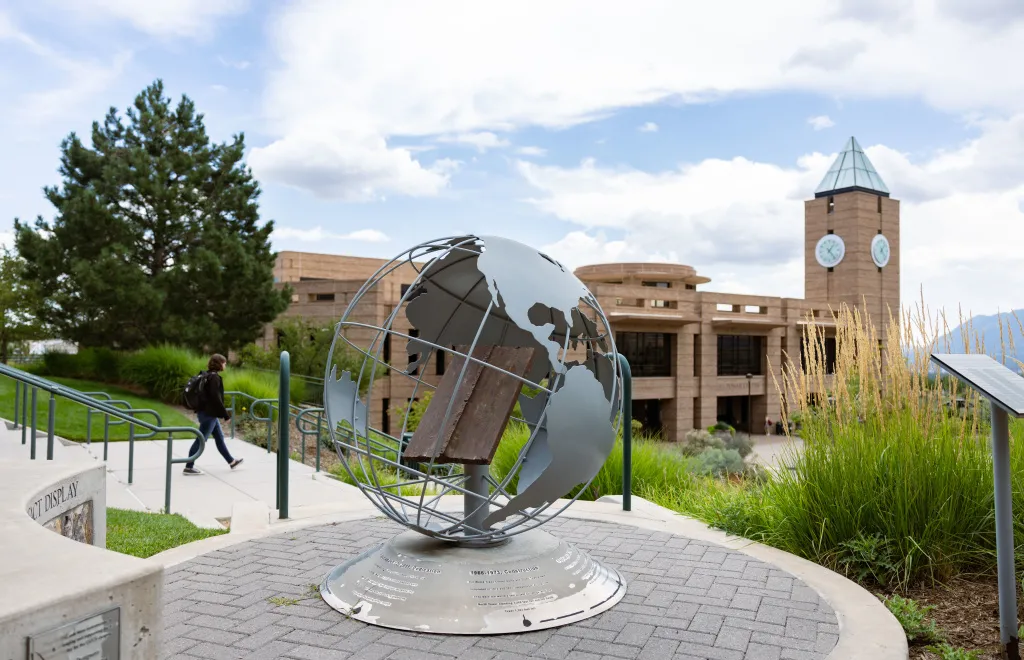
580 436
519 278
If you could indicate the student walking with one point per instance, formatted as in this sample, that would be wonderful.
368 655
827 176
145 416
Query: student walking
205 395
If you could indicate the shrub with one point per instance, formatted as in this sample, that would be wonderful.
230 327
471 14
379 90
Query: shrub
913 617
741 443
696 441
718 462
947 651
162 370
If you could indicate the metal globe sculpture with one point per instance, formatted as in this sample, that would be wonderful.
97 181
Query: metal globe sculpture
529 360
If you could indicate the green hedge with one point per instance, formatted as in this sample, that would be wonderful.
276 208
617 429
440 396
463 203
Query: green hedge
160 371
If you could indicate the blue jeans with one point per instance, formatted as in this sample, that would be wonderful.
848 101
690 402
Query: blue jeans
207 425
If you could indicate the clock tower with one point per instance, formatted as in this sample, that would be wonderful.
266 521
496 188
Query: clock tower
851 240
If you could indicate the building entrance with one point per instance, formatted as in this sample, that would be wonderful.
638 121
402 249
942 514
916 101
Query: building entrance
648 413
734 411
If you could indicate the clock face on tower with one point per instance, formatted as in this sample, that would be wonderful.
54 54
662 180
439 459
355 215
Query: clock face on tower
880 250
830 250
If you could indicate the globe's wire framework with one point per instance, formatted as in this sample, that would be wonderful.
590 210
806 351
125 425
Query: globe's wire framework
475 291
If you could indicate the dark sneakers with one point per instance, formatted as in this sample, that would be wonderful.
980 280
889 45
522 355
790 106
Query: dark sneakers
235 463
191 470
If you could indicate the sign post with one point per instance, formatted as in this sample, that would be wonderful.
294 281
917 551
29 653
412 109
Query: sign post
1005 392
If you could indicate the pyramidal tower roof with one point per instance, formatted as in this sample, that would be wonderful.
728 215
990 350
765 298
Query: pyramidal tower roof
851 170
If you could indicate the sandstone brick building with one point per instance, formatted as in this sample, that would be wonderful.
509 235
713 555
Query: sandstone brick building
697 356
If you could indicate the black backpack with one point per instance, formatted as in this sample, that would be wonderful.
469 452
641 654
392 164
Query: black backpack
195 391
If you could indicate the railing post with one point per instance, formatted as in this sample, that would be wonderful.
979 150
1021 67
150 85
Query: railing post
167 474
50 419
232 420
627 434
24 412
17 400
319 421
283 446
106 434
270 425
131 451
88 425
32 440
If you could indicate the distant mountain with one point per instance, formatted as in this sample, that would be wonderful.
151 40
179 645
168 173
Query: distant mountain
986 329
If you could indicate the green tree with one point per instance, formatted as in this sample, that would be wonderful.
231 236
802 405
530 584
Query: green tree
18 300
157 236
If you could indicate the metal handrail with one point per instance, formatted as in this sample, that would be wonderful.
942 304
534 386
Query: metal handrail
627 433
318 431
105 407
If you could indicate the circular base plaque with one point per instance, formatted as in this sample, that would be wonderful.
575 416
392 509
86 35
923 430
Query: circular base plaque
414 582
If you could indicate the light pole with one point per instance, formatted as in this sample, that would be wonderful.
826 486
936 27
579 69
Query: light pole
750 416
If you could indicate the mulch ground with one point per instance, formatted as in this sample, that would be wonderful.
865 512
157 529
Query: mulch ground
967 612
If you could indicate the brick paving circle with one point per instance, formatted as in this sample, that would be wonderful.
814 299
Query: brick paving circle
685 599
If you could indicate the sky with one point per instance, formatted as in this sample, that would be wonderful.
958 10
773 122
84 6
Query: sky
595 130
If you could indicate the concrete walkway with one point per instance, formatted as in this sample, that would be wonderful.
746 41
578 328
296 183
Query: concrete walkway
202 499
776 452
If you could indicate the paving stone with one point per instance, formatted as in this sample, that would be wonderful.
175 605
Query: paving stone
685 599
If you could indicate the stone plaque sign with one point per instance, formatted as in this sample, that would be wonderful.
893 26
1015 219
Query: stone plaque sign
97 637
67 509
76 523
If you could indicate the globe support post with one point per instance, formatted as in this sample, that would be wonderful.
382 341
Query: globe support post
473 500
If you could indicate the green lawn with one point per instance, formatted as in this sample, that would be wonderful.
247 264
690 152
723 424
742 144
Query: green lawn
145 534
70 417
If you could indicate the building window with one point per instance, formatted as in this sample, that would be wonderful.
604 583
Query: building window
831 205
739 355
387 348
385 420
659 303
827 352
405 289
413 333
691 287
649 353
439 365
659 285
879 205
322 297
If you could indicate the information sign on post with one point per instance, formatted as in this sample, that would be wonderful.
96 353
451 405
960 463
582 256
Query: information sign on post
1004 390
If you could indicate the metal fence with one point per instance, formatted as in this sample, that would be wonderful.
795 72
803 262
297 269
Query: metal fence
115 412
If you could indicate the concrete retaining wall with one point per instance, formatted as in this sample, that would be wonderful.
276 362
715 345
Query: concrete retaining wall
59 582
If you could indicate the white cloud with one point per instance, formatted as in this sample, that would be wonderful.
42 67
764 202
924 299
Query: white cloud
648 127
318 234
820 122
482 141
161 18
241 65
80 79
350 167
350 68
532 151
956 222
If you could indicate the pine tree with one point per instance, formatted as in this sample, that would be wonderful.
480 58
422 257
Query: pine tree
18 300
156 237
